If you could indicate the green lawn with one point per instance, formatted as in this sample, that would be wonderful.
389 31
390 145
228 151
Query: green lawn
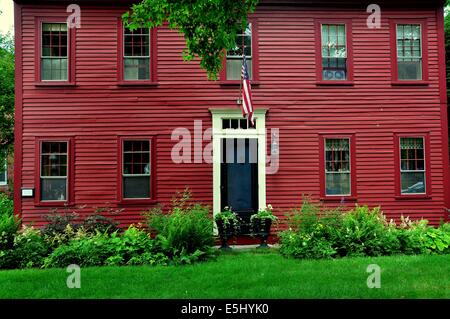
243 275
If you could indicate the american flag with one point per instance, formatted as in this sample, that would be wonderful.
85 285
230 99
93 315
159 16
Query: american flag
247 103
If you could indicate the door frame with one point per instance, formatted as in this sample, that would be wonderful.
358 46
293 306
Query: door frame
218 134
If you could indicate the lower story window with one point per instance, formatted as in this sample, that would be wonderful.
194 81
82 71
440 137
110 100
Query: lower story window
3 174
337 167
53 177
412 165
136 169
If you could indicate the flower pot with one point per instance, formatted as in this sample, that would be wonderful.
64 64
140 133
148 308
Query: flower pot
261 228
226 231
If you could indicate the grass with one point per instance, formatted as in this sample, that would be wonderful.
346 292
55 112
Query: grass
243 275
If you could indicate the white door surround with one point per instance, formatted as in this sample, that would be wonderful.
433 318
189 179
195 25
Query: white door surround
259 133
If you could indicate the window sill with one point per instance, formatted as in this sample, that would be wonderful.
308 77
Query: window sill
334 83
55 84
137 202
411 197
339 199
410 83
137 83
237 83
54 204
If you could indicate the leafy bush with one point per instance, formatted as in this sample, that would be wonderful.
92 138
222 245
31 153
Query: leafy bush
365 232
187 229
57 223
9 225
6 205
133 247
30 248
100 223
315 233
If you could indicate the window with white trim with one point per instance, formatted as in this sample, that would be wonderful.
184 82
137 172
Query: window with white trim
54 171
4 174
334 52
136 54
409 51
412 165
54 52
337 167
136 169
243 45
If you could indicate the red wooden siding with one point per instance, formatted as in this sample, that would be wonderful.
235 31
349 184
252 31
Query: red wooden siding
97 111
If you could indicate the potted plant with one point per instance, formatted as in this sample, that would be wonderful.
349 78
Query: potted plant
261 223
227 224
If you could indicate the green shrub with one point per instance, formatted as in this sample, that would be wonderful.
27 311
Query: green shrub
133 247
100 223
9 225
30 249
365 232
58 222
185 230
315 232
6 205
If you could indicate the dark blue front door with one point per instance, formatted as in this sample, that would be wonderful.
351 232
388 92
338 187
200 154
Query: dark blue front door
239 176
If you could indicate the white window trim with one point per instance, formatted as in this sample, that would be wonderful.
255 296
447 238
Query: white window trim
424 171
341 172
49 57
5 183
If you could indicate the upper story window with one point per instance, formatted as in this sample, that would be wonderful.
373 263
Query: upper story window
136 169
235 56
409 51
136 54
54 171
334 60
334 52
412 165
54 52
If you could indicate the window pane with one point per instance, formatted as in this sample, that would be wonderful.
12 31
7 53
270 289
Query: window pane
137 43
54 159
337 166
136 68
53 189
413 183
409 51
243 44
410 70
136 187
136 158
234 68
334 52
412 165
2 176
338 184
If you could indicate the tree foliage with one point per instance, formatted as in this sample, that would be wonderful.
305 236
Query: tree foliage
6 93
209 26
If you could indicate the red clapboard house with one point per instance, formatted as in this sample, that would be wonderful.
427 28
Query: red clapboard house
345 113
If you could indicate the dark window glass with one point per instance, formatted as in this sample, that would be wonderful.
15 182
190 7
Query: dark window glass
334 52
54 52
337 167
235 55
54 171
412 165
409 51
136 62
136 169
